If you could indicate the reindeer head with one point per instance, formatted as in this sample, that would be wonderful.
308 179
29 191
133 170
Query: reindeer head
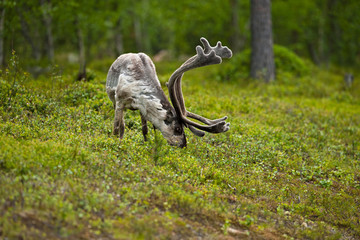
173 130
179 119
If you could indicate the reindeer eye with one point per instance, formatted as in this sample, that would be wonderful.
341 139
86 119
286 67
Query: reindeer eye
167 122
178 130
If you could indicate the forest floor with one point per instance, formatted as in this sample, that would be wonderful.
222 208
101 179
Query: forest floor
289 167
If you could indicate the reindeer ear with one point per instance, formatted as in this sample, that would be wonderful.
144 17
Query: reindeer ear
196 131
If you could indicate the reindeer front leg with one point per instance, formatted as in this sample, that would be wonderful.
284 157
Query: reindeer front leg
144 127
119 123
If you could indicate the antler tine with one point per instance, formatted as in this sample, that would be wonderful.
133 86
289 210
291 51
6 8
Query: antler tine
223 52
207 56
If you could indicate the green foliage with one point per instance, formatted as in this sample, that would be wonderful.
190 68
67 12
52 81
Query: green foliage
288 167
15 98
286 62
319 30
325 31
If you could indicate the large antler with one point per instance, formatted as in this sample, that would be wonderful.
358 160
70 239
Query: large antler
207 56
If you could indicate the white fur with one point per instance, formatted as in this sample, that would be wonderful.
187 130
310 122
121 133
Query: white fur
140 95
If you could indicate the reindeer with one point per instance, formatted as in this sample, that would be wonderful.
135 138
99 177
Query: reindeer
132 84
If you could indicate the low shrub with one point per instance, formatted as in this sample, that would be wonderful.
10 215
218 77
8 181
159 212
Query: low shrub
285 61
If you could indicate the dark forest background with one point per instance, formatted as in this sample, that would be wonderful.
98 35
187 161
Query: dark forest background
52 31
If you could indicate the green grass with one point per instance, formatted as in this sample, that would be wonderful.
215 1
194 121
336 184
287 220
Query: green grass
288 168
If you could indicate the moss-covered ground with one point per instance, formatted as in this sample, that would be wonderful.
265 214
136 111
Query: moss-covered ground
289 167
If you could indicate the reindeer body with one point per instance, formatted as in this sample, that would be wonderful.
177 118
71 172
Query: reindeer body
132 84
132 79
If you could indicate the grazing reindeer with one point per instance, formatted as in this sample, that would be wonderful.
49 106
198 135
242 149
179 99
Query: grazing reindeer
132 84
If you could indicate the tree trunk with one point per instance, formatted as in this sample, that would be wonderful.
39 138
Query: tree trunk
138 35
82 57
145 6
321 36
235 38
313 54
47 19
119 44
35 50
262 54
2 20
334 34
